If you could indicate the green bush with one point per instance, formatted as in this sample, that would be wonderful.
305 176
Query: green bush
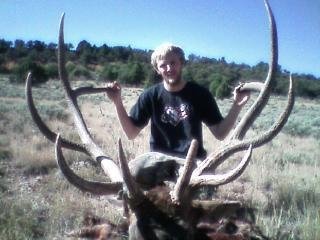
109 72
219 85
80 71
152 78
70 66
52 70
132 73
21 70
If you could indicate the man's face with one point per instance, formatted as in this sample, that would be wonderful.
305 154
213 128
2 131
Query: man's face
170 69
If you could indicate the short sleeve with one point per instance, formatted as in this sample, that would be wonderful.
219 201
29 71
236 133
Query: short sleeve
140 112
211 114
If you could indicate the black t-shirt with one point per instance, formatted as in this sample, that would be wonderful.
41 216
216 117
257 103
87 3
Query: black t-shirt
176 117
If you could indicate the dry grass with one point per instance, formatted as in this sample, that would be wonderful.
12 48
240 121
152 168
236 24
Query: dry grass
281 181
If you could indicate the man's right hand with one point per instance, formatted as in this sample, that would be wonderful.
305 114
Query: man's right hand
114 92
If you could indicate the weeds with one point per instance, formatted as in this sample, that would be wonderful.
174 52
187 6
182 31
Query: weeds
19 220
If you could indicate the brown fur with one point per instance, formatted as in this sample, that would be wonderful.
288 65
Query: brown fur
214 219
100 229
159 218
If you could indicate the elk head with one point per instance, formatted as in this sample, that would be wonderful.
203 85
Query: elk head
170 211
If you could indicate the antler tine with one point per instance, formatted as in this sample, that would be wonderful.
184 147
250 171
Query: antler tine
215 159
108 165
184 178
72 101
88 90
264 95
98 188
134 191
50 135
279 124
73 93
220 179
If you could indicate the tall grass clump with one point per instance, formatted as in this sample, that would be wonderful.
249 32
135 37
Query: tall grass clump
3 181
19 220
293 211
8 89
285 176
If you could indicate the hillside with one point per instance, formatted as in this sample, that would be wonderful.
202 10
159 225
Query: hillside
132 67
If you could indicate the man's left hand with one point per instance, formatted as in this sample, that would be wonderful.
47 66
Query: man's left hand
240 97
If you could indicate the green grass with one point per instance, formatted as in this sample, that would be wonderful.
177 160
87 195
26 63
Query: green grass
19 220
303 121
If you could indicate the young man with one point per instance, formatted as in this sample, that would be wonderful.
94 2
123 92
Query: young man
175 107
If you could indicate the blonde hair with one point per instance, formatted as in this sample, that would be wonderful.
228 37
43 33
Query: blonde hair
163 50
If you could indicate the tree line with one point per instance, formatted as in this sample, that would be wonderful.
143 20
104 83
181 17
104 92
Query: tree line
132 67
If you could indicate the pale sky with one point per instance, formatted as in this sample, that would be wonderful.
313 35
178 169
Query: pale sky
234 29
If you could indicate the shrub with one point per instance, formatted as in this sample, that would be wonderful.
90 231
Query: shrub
80 71
70 66
132 73
219 85
152 78
21 70
52 70
109 72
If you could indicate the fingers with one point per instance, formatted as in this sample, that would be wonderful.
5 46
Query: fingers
113 85
113 91
238 88
243 101
239 96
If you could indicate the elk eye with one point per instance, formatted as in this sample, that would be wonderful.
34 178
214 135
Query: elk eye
231 228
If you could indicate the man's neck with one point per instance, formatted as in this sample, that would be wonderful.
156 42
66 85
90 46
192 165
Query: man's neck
174 87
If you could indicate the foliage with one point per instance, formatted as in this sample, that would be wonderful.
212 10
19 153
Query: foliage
132 73
132 66
18 220
70 66
26 65
52 70
109 72
80 71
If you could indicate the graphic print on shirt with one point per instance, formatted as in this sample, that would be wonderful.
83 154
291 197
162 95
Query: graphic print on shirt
174 115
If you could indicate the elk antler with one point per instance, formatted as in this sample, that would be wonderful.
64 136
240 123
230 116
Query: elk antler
264 95
236 143
183 181
88 146
43 127
109 166
135 194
